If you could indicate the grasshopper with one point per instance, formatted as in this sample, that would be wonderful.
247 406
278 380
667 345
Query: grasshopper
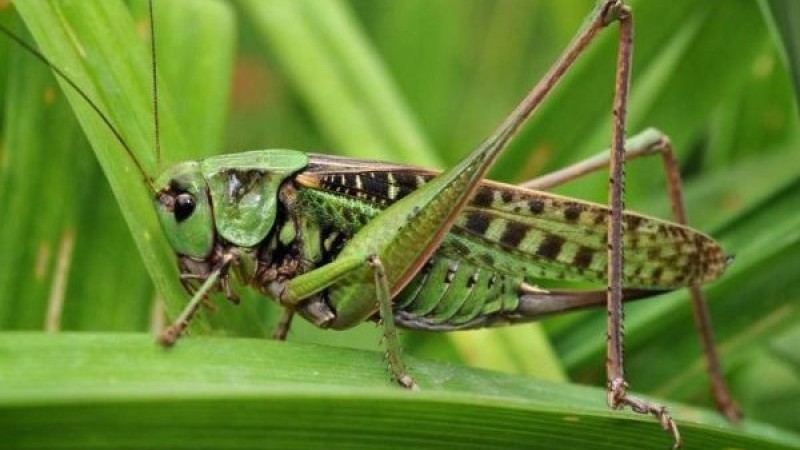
342 241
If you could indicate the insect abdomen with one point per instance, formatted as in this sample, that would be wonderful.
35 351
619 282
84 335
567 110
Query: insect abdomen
449 291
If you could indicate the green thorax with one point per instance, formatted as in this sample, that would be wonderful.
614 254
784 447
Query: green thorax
233 196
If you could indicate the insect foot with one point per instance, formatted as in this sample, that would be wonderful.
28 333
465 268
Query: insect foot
170 335
403 379
407 382
618 398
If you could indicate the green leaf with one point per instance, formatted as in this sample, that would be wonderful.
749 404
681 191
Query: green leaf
231 393
783 17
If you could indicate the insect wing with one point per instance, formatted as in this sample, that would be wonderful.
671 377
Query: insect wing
541 235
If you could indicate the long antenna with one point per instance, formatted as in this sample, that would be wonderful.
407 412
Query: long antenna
35 52
153 66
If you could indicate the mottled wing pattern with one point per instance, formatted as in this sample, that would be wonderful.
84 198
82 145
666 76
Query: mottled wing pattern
540 235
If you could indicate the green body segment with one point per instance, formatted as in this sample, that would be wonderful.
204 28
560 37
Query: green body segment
455 292
244 191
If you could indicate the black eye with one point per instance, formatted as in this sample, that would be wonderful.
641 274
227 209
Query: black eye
184 206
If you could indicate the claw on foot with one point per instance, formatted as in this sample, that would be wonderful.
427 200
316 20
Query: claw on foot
169 336
279 334
618 398
407 382
616 392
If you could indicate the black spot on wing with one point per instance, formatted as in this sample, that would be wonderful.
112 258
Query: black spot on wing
477 222
583 257
513 234
536 206
483 197
600 217
550 247
632 223
406 181
375 184
572 212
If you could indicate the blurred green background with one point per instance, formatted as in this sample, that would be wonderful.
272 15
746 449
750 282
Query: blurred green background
421 82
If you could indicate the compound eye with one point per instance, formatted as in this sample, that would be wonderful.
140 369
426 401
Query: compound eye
184 206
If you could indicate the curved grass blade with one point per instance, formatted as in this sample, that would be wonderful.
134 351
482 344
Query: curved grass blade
225 393
784 19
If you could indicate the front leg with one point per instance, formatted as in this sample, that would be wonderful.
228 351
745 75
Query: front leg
171 334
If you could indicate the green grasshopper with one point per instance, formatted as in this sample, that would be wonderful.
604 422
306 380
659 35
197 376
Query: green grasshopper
341 241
